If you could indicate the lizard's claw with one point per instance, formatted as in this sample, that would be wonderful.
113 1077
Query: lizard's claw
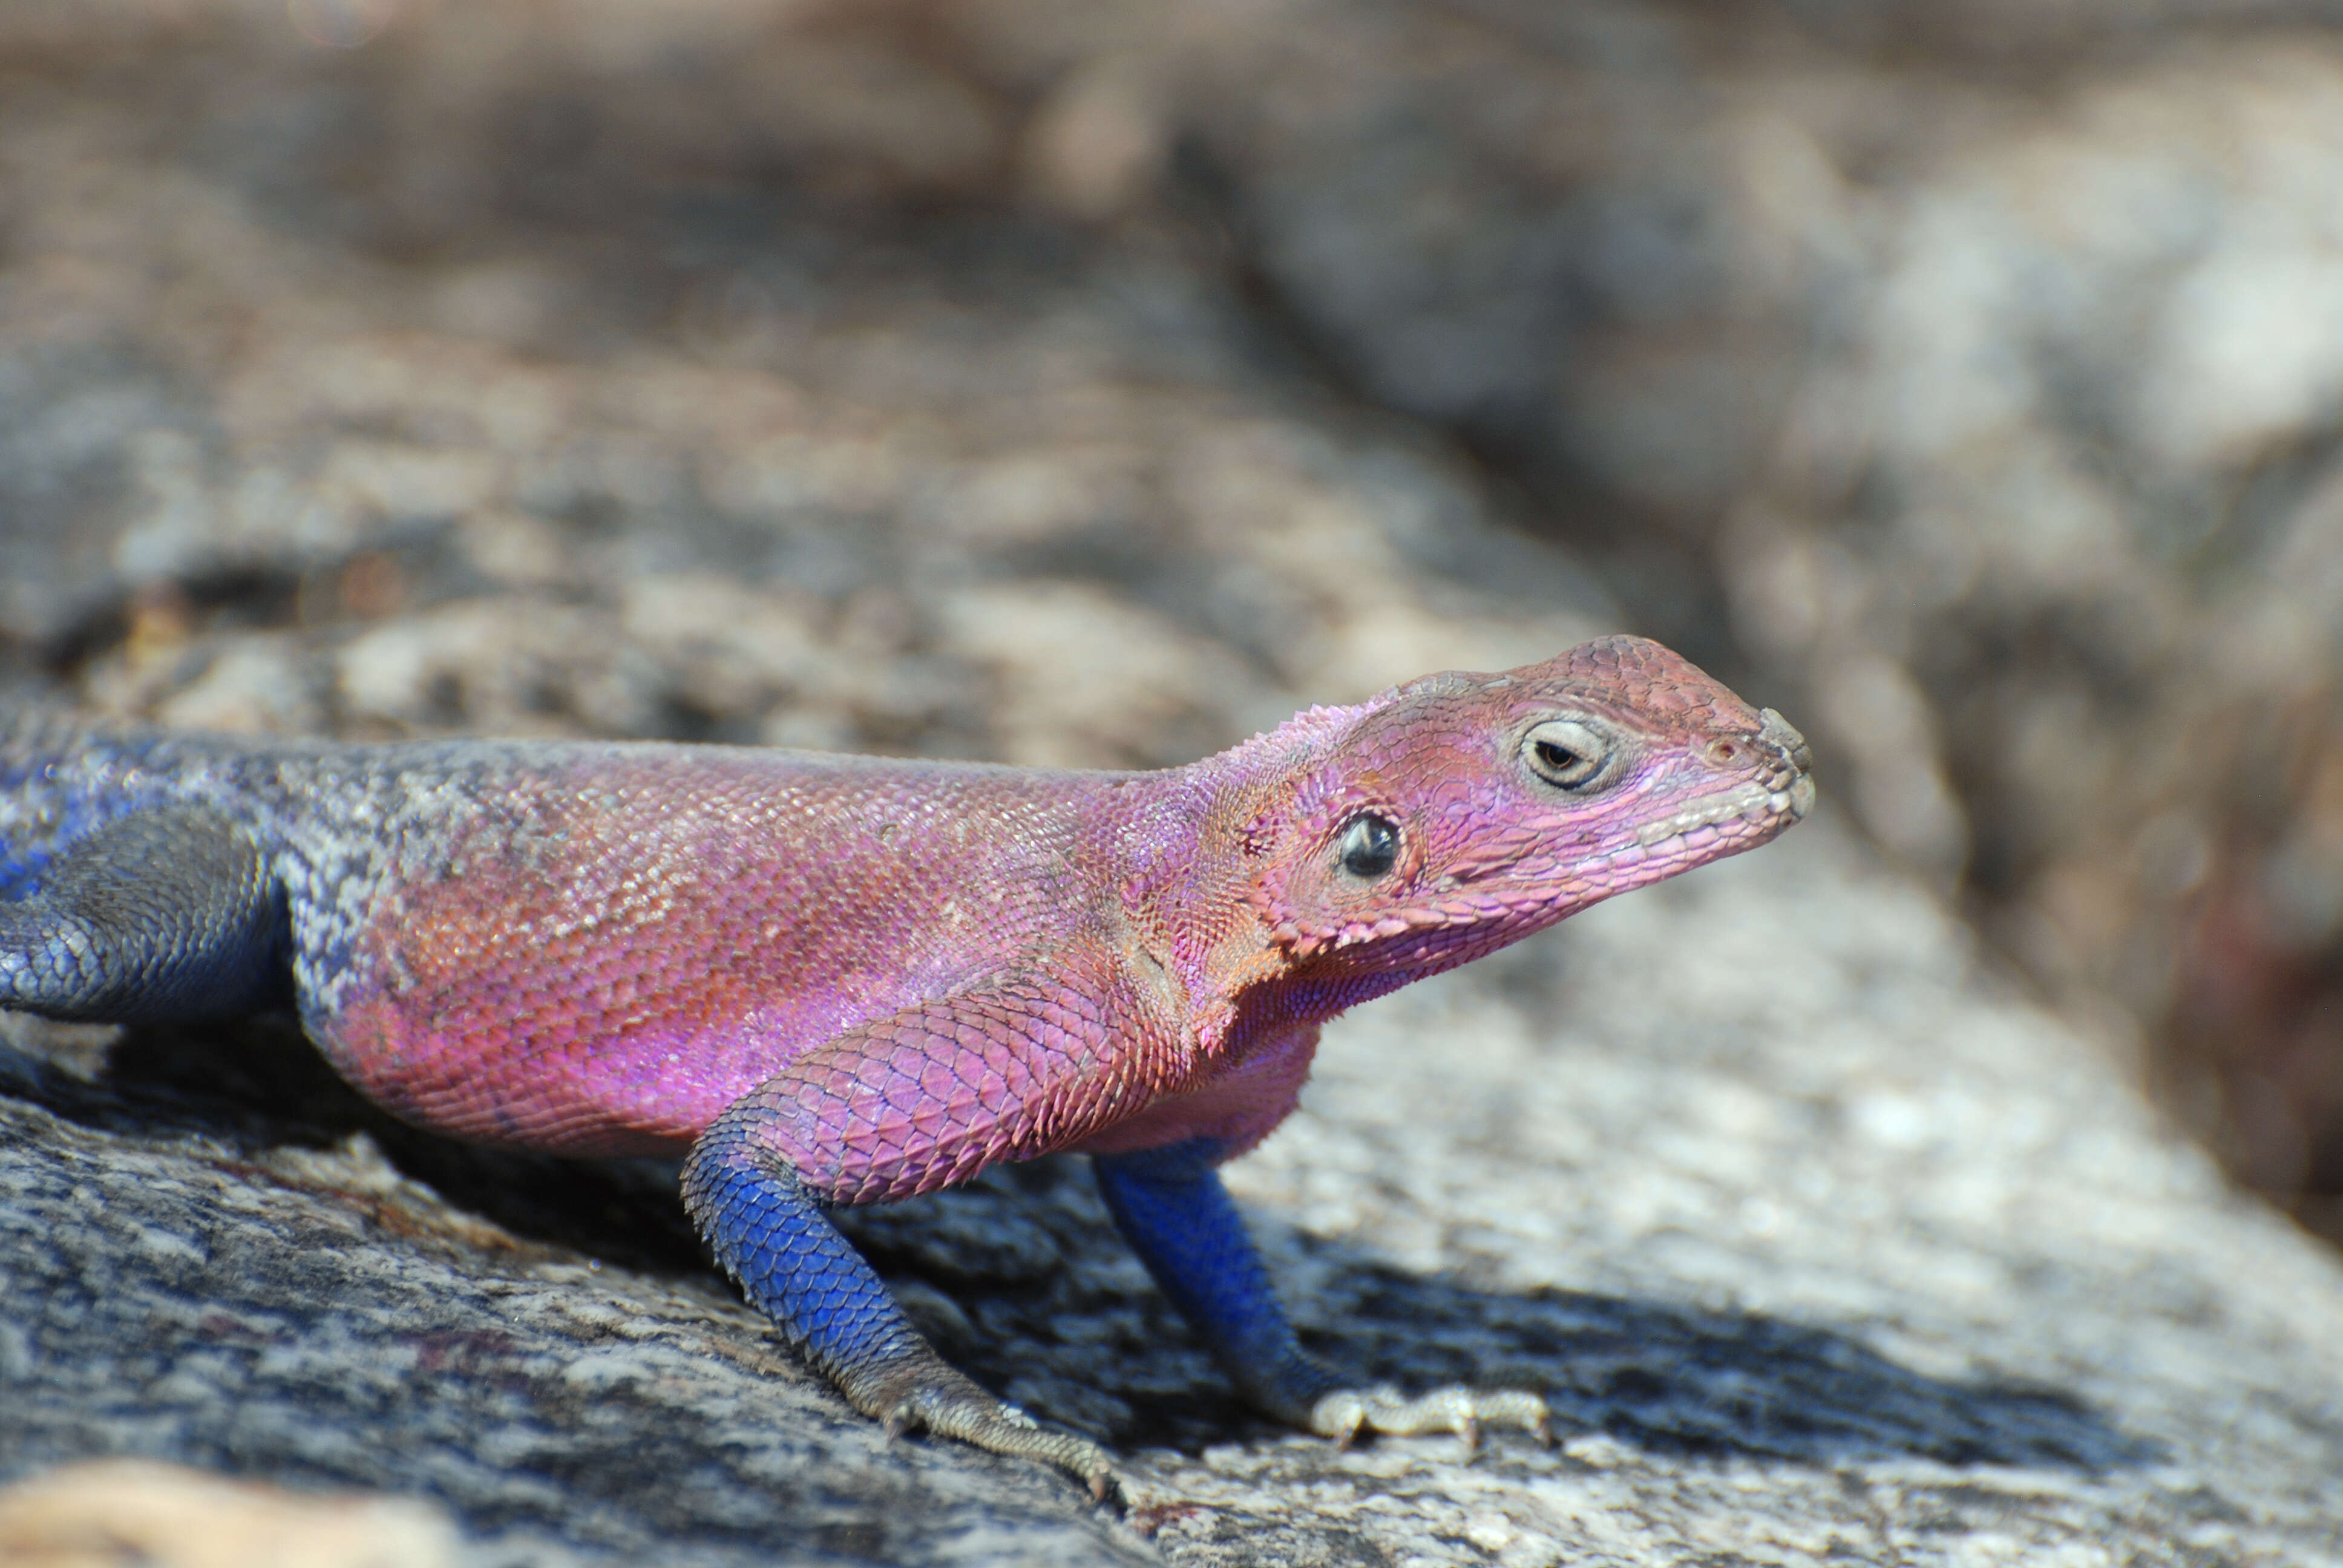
1343 1414
960 1409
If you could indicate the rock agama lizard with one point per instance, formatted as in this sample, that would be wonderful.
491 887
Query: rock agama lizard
841 979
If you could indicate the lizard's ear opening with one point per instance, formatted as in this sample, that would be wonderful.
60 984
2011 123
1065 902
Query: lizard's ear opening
1569 754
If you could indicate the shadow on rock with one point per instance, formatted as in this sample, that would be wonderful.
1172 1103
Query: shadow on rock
1020 1279
1029 1253
1680 1380
257 1084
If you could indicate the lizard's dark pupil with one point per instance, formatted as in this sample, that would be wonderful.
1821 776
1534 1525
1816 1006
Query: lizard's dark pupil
1370 846
1561 759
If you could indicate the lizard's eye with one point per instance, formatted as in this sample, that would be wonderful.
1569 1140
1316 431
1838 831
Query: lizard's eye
1565 753
1370 847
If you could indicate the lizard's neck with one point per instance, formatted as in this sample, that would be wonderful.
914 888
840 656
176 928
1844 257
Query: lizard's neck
1189 865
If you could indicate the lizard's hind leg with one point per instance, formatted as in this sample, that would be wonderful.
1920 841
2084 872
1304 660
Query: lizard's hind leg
169 913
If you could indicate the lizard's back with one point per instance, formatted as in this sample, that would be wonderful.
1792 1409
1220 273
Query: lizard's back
596 948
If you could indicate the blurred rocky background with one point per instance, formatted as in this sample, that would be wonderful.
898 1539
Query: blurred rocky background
1093 383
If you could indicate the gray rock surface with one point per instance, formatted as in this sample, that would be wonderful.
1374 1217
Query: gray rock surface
1090 384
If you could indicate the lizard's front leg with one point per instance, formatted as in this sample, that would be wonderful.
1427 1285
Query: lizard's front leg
917 1101
772 1236
1171 1208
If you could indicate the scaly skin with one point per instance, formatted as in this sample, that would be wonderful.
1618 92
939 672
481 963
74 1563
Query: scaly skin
838 980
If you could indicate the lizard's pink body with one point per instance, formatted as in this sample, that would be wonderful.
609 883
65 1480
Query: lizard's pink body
644 934
836 980
634 937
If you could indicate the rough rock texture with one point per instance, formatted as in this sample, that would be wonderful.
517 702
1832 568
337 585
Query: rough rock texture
1824 1243
1092 384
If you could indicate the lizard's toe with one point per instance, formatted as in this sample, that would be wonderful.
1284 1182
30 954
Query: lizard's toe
960 1409
1343 1414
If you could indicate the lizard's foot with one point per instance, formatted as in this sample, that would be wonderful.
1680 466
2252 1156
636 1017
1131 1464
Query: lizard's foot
950 1405
1344 1413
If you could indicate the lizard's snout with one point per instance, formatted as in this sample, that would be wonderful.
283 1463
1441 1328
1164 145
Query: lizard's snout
1783 736
1797 757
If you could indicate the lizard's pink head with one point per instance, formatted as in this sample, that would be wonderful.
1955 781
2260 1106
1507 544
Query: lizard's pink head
1460 812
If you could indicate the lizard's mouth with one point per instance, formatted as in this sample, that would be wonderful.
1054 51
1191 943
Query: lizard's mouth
1786 791
1753 800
